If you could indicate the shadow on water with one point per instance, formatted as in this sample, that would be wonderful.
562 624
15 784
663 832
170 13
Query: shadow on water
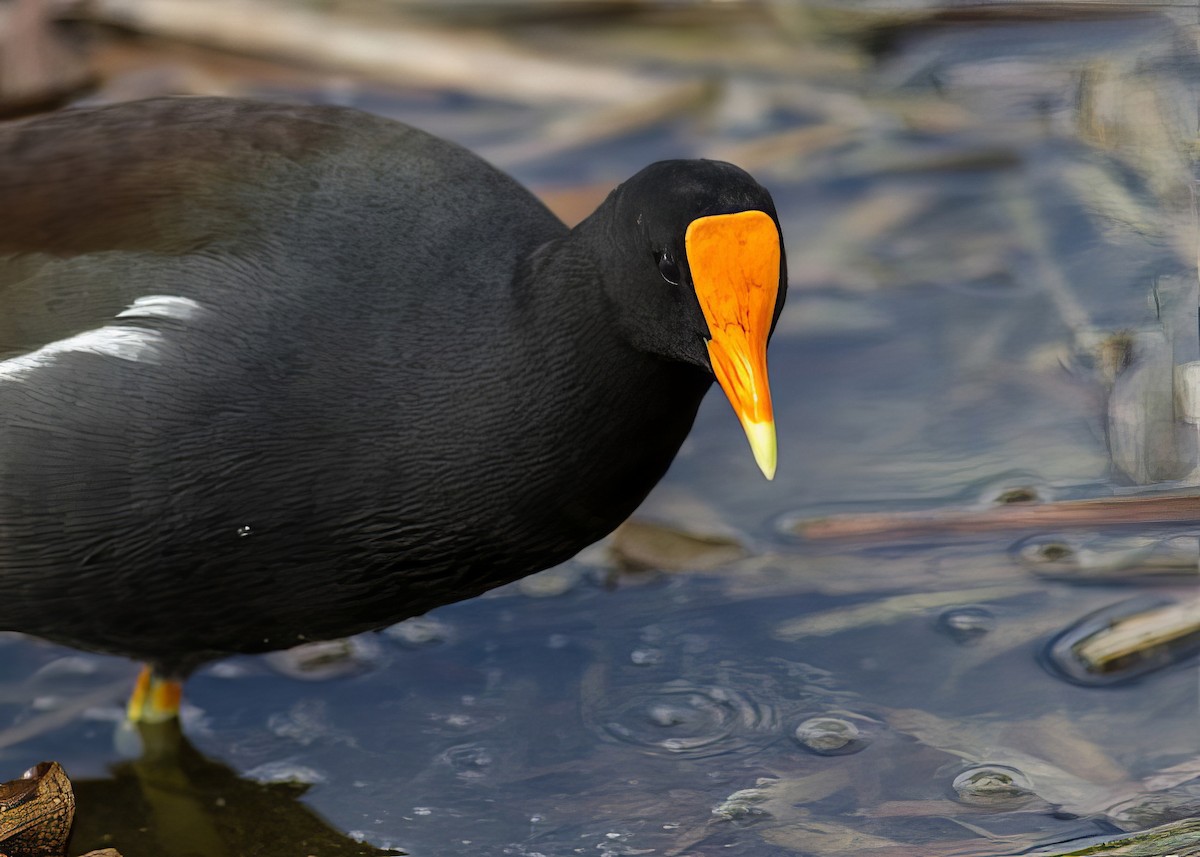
991 242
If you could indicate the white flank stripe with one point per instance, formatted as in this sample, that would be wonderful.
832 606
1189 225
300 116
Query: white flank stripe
135 344
124 342
162 306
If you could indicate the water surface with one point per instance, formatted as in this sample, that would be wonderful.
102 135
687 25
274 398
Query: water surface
973 206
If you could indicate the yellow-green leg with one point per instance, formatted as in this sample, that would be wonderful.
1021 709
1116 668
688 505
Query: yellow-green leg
155 699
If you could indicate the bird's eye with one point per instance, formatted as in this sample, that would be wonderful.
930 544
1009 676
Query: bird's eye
668 268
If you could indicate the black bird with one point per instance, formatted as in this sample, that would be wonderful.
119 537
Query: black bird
271 374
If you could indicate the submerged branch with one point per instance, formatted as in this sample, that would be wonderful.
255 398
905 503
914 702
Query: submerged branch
1097 512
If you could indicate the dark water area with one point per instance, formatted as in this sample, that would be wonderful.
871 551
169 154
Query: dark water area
991 242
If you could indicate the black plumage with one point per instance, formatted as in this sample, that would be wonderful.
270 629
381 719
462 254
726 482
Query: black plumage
274 373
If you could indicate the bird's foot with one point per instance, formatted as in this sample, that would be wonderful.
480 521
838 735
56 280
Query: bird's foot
155 699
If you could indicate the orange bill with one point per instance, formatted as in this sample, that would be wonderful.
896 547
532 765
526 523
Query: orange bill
734 259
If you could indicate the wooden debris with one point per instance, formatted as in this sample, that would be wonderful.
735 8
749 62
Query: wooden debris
888 610
46 722
502 11
472 61
643 546
131 69
983 743
1141 414
1177 839
39 69
36 813
323 660
780 798
1169 778
791 145
589 127
1139 636
1061 741
1164 508
573 204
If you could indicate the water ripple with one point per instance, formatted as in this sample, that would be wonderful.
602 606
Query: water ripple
684 719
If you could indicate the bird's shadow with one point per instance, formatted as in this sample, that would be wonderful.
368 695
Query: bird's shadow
172 800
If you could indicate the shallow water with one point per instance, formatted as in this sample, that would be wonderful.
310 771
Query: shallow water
990 202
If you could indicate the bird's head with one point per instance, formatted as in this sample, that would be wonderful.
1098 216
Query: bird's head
701 278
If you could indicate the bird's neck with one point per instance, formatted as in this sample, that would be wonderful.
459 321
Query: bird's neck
616 415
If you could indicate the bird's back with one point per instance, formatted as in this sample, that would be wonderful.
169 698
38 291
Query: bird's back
227 348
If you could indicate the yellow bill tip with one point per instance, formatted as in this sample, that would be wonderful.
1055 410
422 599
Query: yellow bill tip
762 444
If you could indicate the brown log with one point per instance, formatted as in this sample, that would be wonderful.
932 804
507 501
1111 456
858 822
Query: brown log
1172 508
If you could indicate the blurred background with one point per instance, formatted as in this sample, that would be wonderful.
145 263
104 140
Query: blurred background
990 216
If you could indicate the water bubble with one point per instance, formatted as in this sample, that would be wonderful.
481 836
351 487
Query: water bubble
244 531
670 715
831 736
743 805
420 631
550 583
1020 494
992 785
455 720
1014 489
285 772
328 659
646 657
1047 552
966 624
306 722
653 634
228 670
1103 557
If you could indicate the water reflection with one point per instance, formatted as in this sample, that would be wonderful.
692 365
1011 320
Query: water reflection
172 800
